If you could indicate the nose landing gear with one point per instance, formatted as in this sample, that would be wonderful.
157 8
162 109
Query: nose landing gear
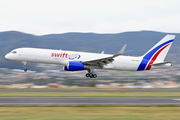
25 63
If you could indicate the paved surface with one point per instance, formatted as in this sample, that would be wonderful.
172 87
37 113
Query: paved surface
89 90
19 101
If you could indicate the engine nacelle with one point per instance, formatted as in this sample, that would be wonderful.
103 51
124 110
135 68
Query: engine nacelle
75 66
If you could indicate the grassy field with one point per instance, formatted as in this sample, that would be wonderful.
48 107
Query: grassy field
89 113
89 94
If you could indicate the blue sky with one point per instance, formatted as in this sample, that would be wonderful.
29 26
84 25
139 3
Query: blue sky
41 17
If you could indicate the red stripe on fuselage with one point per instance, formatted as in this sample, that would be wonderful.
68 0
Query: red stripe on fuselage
154 57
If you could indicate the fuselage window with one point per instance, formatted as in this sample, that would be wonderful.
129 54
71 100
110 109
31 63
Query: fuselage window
14 52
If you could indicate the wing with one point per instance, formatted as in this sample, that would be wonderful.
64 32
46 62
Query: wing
106 60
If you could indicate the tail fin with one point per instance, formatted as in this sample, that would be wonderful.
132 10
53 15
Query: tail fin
156 53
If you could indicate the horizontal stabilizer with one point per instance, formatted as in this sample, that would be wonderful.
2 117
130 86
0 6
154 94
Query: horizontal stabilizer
162 63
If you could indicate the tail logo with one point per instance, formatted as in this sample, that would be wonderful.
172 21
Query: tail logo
151 56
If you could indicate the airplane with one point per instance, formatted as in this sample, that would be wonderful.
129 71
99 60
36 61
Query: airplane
76 61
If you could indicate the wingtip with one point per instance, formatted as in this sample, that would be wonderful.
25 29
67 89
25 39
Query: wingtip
122 49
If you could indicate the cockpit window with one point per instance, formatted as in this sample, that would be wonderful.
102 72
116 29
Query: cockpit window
14 52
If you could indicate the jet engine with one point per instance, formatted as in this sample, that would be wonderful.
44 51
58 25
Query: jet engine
75 66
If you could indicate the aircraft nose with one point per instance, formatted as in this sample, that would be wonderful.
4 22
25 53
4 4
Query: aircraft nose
7 56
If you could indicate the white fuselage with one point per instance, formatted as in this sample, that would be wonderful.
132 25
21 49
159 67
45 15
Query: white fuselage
61 57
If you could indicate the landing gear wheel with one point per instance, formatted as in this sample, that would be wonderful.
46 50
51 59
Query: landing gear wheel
91 75
95 76
25 70
87 74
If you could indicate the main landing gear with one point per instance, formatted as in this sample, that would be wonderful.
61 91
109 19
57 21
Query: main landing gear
91 73
25 63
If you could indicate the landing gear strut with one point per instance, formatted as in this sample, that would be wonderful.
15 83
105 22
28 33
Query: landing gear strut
25 63
91 73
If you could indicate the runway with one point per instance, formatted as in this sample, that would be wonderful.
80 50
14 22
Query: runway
89 90
45 101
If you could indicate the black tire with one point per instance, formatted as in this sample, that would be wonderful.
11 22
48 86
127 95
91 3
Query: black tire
95 76
91 75
87 75
25 70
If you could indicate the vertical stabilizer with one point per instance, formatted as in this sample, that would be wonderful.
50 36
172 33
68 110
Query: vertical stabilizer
156 53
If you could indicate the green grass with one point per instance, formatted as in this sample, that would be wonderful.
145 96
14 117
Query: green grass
89 113
89 94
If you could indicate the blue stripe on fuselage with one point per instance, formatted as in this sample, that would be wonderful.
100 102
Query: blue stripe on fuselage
148 56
